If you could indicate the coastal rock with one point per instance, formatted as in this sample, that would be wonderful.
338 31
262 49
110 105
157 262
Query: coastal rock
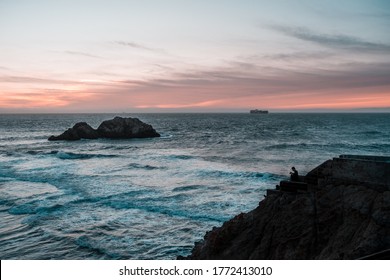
126 128
334 219
78 131
115 128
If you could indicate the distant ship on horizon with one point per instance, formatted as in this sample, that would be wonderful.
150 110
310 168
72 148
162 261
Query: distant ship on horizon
256 111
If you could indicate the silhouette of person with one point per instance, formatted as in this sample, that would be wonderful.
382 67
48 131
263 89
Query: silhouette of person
294 174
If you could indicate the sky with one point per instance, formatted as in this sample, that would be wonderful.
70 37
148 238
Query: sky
194 56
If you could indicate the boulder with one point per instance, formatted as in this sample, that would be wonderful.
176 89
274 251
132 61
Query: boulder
115 128
78 131
126 128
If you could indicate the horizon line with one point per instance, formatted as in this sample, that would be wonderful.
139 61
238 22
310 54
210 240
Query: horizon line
200 112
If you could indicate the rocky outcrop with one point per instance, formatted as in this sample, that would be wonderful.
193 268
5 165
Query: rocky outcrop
126 128
115 128
78 131
333 219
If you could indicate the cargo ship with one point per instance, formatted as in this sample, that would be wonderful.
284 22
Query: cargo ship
256 111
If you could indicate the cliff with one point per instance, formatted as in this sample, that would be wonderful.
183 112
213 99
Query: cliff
341 210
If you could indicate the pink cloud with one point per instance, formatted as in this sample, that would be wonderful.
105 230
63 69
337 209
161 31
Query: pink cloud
358 86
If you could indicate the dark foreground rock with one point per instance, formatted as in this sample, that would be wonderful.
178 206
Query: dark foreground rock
116 128
341 216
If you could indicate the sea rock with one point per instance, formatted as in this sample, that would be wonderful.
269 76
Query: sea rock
115 128
78 131
332 220
126 128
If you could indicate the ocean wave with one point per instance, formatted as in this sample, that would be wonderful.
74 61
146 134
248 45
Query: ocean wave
31 208
165 135
110 226
145 166
289 145
331 145
7 203
35 152
120 147
15 189
87 243
182 157
239 174
12 138
188 188
59 154
161 205
70 155
369 132
121 196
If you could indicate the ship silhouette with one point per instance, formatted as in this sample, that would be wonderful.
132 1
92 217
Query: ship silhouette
256 111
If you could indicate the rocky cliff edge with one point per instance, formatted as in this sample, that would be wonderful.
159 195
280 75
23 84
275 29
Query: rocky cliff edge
341 212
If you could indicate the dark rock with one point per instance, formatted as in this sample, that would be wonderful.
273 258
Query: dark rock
78 131
116 128
126 128
70 134
332 220
85 131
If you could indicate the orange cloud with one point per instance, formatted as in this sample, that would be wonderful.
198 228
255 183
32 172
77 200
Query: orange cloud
28 100
42 99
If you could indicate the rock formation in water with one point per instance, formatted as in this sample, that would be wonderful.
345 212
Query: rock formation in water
126 128
115 128
340 211
78 131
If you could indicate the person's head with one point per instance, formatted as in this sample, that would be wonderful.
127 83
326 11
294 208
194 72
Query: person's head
293 168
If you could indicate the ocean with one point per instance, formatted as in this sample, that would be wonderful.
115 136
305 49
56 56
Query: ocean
153 198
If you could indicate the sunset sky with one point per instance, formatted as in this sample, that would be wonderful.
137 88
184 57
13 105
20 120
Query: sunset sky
194 56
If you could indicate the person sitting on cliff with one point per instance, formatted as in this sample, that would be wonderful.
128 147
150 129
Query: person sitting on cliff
294 175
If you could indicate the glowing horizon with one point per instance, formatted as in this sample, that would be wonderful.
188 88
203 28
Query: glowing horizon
175 56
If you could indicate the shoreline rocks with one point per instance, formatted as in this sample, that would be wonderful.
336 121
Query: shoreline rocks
337 217
117 128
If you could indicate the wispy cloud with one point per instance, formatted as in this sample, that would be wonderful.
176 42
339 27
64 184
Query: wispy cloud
352 85
83 54
28 79
49 81
348 76
339 41
299 56
135 45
